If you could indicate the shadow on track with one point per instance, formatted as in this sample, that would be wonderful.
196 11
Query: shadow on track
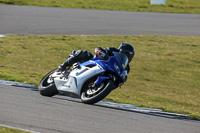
158 114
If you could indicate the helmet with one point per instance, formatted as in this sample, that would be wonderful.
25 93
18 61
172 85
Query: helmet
127 49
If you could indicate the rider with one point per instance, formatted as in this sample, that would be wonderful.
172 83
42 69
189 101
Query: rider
82 55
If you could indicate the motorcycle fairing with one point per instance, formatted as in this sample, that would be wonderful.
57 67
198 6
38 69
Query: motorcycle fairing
67 86
76 79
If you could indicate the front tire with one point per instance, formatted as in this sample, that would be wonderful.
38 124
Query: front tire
47 86
92 95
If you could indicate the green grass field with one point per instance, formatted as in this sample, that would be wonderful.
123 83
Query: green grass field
174 6
164 72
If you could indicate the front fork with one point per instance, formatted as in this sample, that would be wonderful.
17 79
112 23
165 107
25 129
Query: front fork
101 78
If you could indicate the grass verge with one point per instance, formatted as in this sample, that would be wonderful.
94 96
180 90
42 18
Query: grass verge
174 6
11 130
164 72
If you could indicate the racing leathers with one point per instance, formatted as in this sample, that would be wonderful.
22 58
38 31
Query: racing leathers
83 56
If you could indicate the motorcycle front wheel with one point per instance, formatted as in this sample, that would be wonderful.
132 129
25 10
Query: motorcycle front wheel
92 94
47 86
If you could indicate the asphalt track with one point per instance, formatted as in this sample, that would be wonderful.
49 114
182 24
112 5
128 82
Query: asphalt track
39 20
23 108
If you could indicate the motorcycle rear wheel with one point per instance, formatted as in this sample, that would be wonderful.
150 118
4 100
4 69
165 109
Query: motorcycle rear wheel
93 95
47 86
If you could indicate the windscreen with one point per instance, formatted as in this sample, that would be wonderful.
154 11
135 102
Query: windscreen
122 58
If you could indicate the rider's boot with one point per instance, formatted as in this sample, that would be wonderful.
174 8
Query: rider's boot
78 56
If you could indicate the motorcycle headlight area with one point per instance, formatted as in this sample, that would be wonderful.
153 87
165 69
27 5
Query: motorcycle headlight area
117 68
124 75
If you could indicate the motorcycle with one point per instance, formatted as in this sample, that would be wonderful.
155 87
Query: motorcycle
91 81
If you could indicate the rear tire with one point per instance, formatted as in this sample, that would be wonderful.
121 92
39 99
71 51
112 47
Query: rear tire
91 96
47 88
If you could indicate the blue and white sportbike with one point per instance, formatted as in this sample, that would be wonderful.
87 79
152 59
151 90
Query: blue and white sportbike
90 81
